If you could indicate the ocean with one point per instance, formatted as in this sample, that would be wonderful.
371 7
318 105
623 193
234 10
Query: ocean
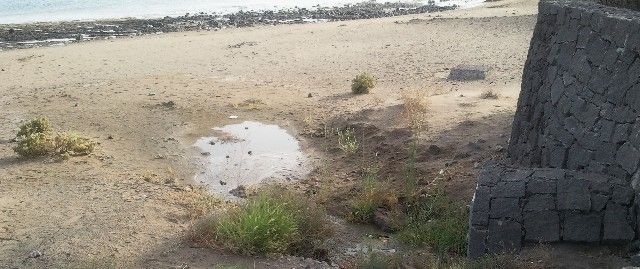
26 11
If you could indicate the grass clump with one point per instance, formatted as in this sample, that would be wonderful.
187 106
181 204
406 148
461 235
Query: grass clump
363 83
347 140
37 138
489 94
438 223
275 221
263 225
374 196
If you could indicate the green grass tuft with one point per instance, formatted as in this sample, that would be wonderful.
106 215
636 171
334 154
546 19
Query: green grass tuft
438 223
263 225
277 221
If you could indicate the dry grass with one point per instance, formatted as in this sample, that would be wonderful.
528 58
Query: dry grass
199 203
416 106
250 104
489 94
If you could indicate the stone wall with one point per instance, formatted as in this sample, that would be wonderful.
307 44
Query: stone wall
632 4
515 206
575 141
580 98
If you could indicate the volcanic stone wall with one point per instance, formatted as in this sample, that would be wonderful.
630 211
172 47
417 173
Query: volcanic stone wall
515 206
580 98
631 4
575 143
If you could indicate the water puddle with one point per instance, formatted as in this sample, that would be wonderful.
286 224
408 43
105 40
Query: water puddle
248 153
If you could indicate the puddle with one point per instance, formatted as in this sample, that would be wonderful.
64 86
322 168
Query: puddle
248 153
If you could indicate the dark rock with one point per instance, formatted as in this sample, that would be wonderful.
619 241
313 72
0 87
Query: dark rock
509 189
635 260
505 208
239 192
434 150
542 226
477 242
504 236
617 227
598 202
540 202
467 73
541 186
622 195
578 227
573 194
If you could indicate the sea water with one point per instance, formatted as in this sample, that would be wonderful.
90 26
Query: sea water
25 11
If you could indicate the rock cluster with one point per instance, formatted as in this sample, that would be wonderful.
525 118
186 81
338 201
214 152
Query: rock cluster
39 34
512 206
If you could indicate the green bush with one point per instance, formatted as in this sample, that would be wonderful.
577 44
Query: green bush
263 225
363 83
37 138
276 221
36 126
438 223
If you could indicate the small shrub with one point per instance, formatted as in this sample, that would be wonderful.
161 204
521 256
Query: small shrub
73 144
36 126
436 222
37 138
347 140
363 83
33 145
489 95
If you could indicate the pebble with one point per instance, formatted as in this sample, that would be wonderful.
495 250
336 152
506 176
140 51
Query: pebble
35 254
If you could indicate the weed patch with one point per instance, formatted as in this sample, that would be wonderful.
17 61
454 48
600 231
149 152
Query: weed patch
275 221
437 222
37 138
374 195
363 83
347 140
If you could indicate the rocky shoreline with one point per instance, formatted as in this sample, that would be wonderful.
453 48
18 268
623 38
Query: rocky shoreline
17 36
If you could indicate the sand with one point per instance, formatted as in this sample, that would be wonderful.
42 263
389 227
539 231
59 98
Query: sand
123 205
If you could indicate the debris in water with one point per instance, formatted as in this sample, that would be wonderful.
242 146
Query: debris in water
249 153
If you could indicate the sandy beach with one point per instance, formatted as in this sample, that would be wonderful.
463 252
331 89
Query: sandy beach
147 100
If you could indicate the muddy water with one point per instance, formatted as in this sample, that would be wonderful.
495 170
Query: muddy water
247 154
